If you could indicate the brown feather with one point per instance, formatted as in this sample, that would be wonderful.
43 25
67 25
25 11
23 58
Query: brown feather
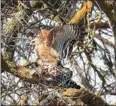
52 34
43 34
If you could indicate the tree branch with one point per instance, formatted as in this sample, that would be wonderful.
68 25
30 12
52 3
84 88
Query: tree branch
105 41
86 97
100 25
23 73
107 9
86 8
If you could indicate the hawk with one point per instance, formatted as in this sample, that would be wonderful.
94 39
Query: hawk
57 43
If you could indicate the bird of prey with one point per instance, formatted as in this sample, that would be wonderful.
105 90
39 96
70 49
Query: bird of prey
58 42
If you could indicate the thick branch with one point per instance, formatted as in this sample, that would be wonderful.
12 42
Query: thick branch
100 25
22 73
86 8
86 97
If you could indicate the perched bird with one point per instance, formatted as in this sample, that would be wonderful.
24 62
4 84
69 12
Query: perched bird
58 42
55 44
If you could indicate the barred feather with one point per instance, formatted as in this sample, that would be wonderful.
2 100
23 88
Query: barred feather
58 42
65 38
64 80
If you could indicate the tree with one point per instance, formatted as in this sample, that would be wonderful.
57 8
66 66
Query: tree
92 62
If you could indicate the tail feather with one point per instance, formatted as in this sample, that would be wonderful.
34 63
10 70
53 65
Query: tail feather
64 80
